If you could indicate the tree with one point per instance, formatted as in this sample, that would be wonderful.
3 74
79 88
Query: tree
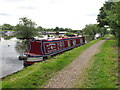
7 27
111 10
92 29
102 16
0 27
69 34
26 29
109 15
68 29
114 16
56 29
61 29
39 28
114 20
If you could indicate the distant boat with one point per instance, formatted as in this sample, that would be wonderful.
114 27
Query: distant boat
97 35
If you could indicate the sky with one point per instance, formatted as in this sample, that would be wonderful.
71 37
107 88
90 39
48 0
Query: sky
74 14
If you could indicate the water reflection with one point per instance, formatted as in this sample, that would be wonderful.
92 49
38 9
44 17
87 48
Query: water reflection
20 46
10 50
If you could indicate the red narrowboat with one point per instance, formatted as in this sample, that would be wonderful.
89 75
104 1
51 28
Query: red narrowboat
40 49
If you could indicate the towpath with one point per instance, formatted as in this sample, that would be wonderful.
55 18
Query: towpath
66 77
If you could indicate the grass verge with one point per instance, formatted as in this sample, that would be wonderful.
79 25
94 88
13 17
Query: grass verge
103 72
37 75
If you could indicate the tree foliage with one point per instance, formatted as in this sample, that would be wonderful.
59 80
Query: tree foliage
26 29
39 28
111 14
114 19
7 27
92 29
102 16
0 27
69 34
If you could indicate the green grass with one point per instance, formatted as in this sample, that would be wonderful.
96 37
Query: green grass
103 71
37 75
106 36
0 84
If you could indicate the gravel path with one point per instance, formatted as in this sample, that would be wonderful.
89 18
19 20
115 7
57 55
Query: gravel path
66 77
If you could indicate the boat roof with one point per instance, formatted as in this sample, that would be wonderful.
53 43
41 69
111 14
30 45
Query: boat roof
51 39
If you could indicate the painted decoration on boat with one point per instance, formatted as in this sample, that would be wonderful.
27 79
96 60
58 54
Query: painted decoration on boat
50 47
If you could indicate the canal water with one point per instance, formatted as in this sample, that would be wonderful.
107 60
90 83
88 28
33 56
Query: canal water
9 52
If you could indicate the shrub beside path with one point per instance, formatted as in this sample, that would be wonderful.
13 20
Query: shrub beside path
66 77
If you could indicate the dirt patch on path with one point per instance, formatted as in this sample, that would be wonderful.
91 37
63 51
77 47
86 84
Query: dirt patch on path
66 77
